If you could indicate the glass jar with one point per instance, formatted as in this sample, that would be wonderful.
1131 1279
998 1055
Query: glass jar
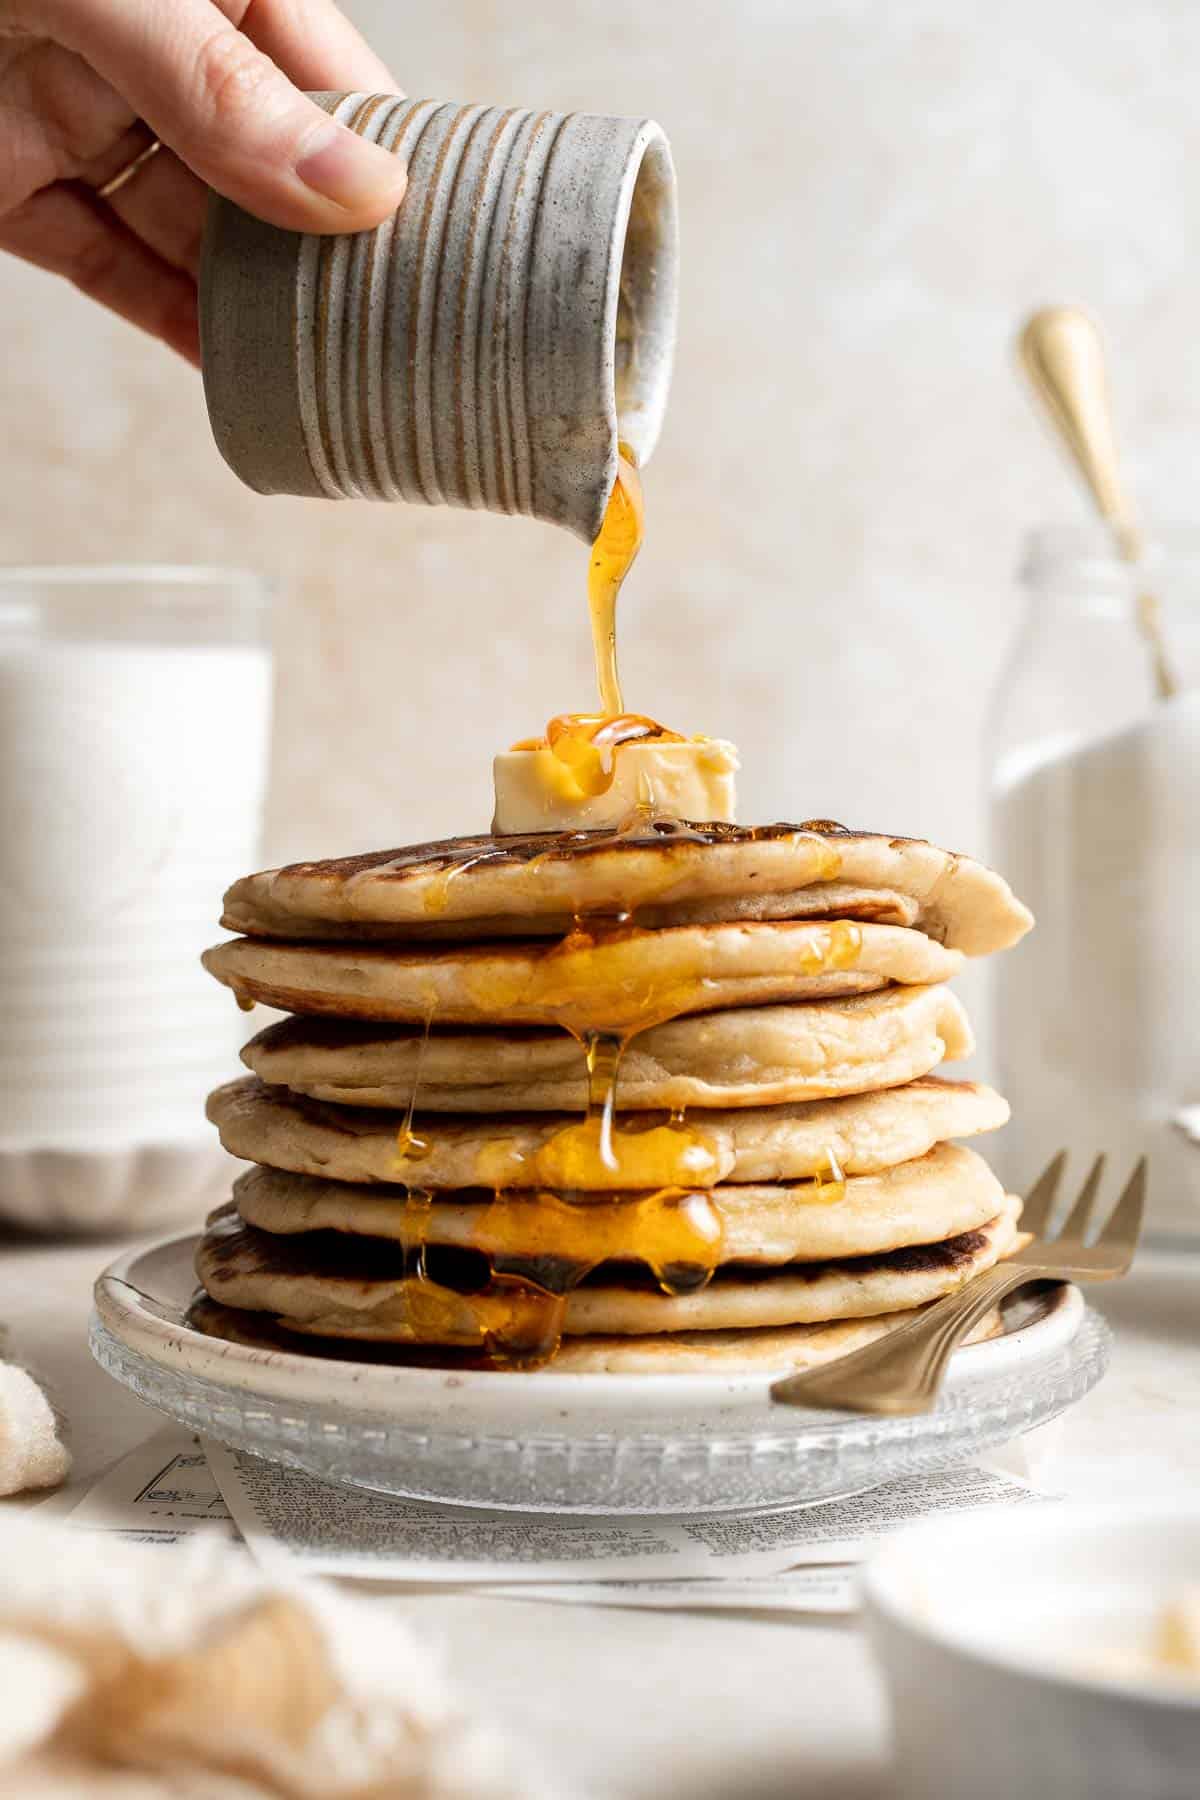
134 714
1094 806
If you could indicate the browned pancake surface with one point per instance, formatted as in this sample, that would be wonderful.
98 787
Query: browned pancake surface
490 886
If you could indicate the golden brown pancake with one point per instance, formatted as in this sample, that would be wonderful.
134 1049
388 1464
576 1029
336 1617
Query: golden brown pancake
357 1288
862 1134
625 982
786 1350
757 1056
941 1195
484 887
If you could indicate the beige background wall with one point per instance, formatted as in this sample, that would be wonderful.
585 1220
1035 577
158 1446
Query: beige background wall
872 195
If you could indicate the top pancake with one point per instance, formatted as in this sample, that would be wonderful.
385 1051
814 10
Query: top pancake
536 885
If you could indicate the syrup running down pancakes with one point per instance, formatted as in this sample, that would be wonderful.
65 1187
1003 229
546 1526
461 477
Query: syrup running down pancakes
621 1082
486 1143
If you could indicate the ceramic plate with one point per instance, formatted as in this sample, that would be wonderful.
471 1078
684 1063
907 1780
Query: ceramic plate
572 1442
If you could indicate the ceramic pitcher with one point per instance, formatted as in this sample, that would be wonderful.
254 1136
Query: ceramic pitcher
486 346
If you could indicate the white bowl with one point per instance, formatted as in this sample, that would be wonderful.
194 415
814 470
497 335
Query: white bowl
133 1188
992 1630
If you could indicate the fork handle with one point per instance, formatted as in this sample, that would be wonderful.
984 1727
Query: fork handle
901 1372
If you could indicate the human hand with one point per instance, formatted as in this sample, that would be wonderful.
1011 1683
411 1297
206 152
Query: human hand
86 85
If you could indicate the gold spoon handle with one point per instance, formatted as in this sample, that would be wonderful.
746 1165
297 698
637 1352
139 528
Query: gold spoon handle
1062 354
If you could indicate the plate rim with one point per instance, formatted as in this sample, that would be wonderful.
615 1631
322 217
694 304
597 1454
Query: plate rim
122 1307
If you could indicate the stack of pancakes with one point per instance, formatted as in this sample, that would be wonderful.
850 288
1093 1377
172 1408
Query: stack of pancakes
776 1180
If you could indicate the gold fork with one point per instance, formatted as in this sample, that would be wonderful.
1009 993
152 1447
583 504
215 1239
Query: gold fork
902 1372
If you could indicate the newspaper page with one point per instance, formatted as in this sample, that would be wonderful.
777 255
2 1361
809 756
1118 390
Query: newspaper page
797 1562
161 1493
828 1588
845 1530
288 1517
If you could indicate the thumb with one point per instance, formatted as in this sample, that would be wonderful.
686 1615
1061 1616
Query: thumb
224 107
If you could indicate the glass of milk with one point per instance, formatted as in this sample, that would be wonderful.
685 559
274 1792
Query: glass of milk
134 717
1095 811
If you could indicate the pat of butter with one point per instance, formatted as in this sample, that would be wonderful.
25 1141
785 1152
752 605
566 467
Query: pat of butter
1169 1653
1179 1635
536 791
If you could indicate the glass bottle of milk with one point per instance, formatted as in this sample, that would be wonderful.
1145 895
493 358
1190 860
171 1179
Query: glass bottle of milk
134 716
1095 817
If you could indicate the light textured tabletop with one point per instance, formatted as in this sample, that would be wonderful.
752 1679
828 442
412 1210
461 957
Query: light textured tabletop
635 1704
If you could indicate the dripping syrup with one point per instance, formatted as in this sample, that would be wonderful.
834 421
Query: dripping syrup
827 1187
613 555
676 1230
596 1191
587 744
513 1320
589 1218
437 895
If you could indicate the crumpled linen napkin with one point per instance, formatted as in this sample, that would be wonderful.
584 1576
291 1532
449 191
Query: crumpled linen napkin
1187 1120
128 1674
31 1454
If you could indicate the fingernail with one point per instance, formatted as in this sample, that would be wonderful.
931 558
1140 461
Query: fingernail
351 171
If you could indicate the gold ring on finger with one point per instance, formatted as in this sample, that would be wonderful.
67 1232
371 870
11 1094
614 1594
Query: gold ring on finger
122 176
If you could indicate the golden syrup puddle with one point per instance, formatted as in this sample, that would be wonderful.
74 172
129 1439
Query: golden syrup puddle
826 1188
675 1232
641 1155
609 976
587 743
838 946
